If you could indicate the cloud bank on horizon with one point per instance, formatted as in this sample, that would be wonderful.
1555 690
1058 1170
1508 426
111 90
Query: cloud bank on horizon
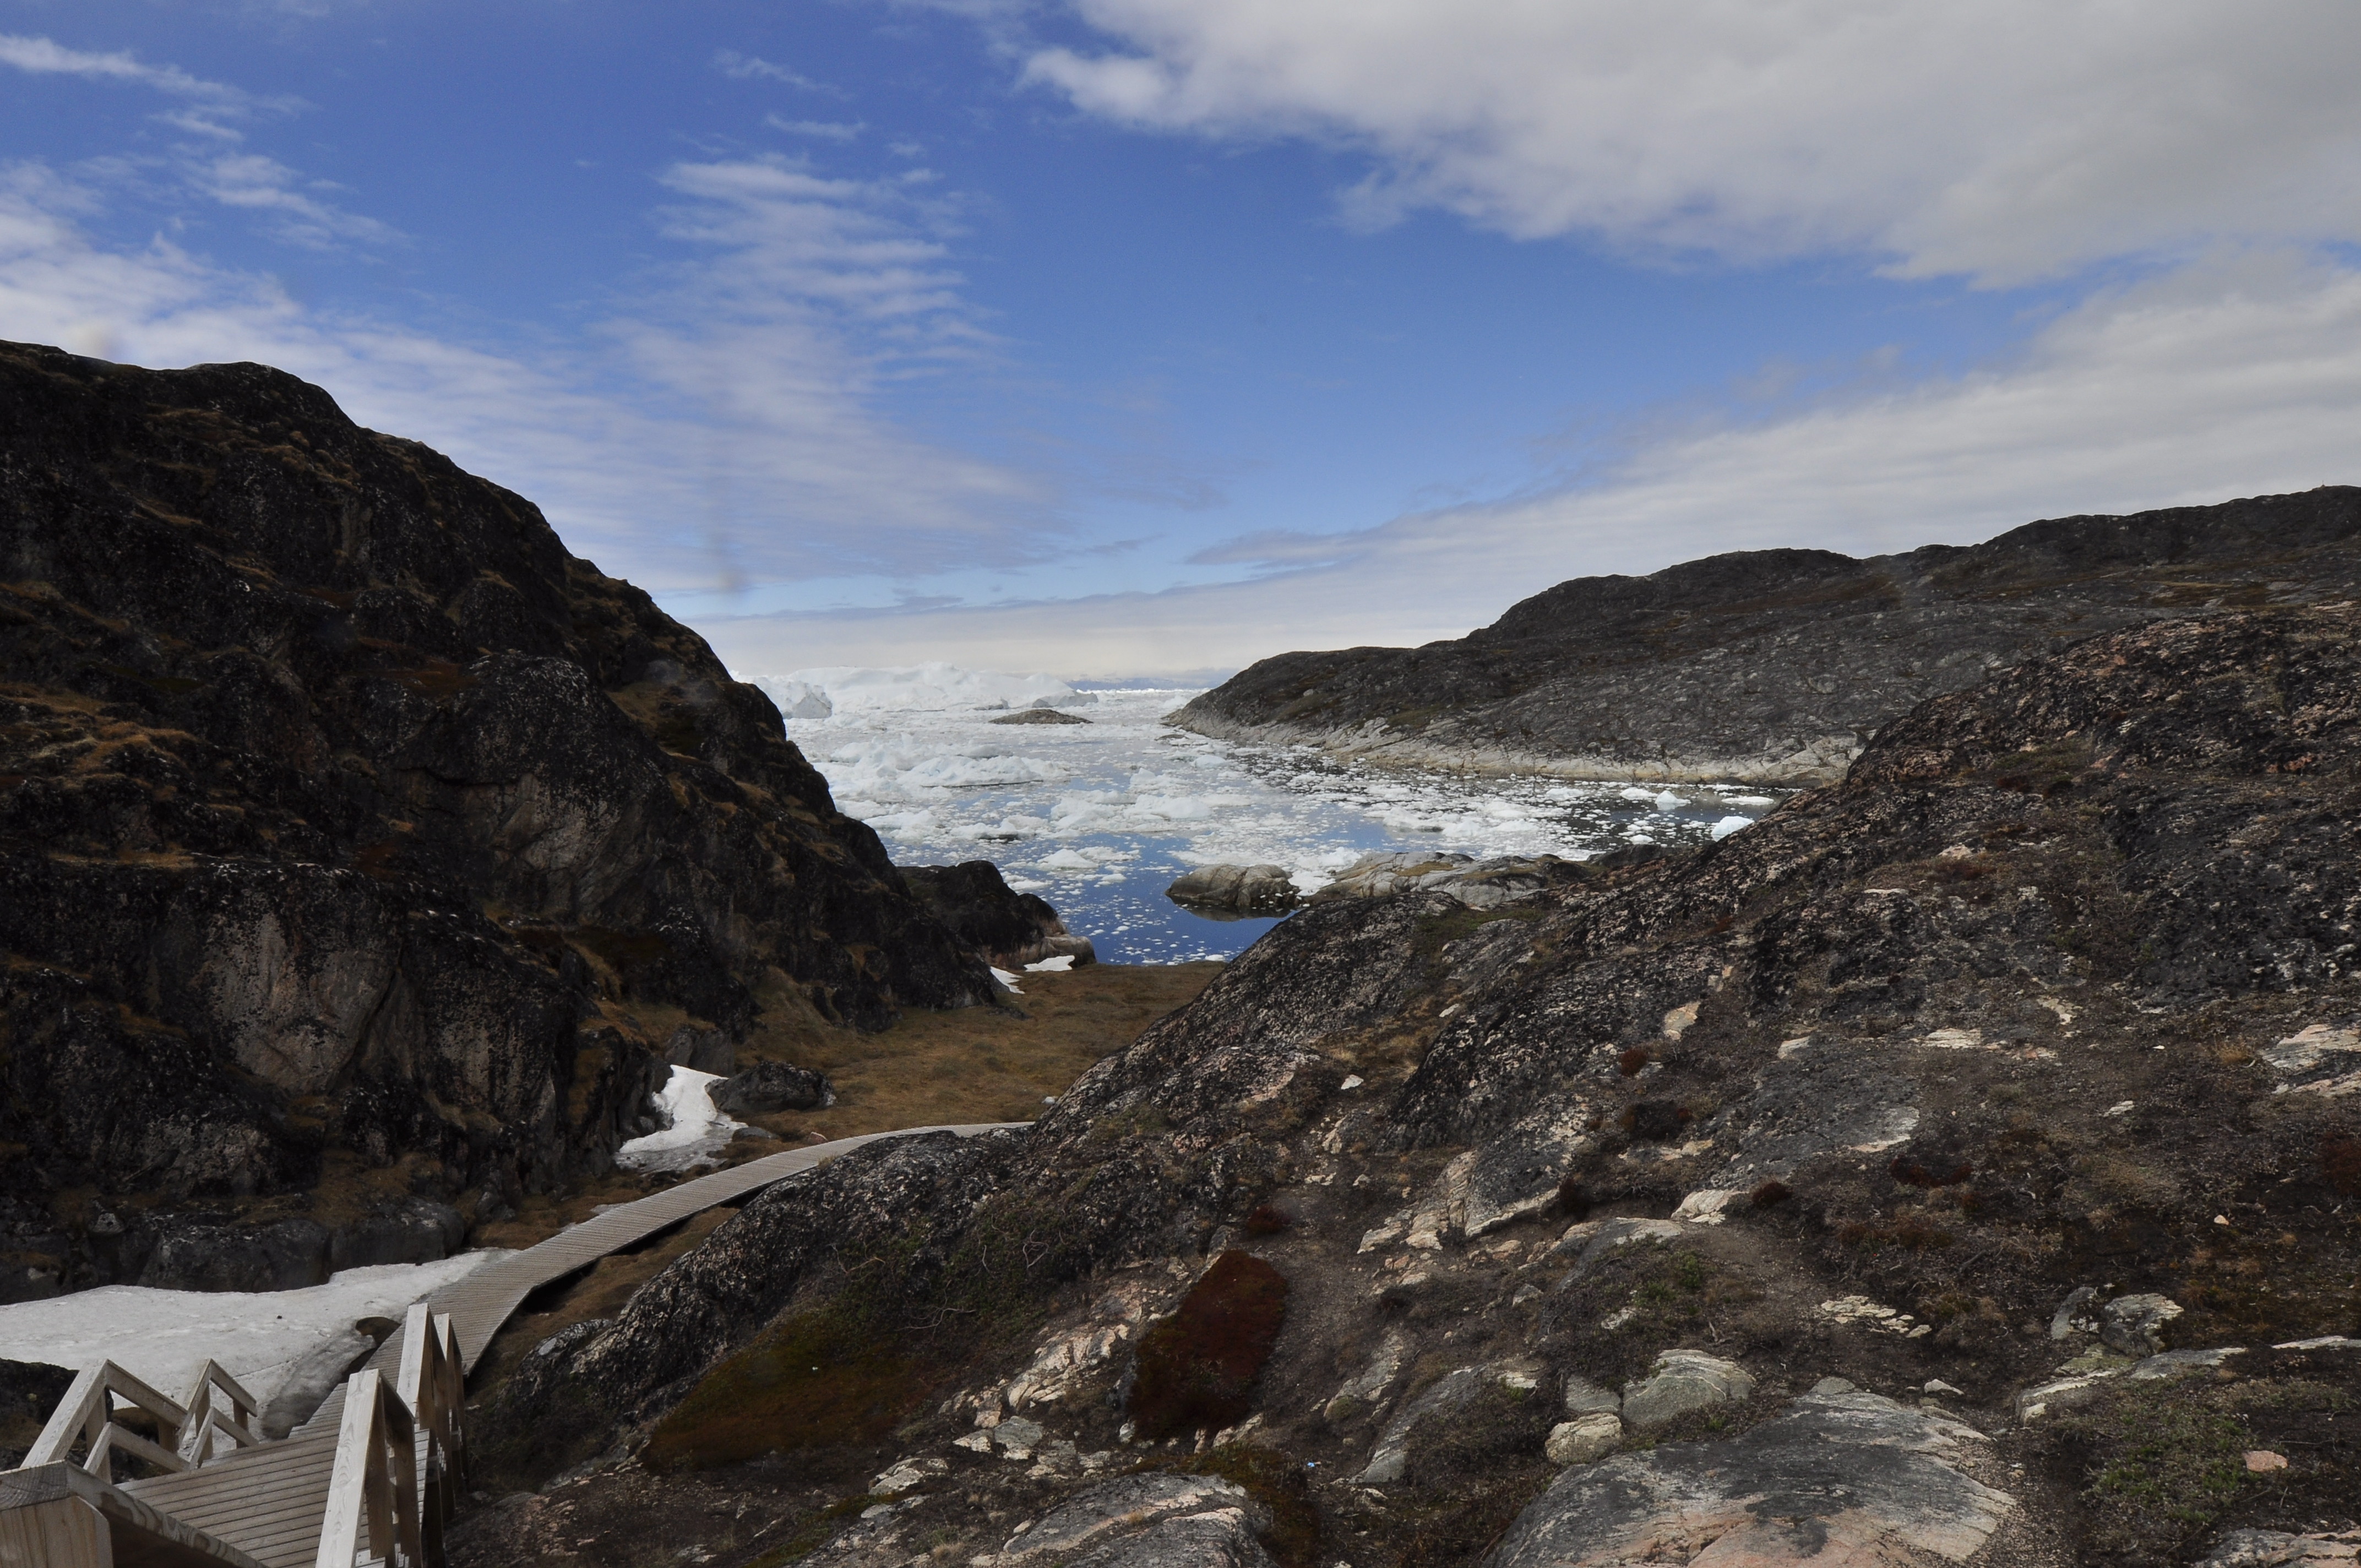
814 410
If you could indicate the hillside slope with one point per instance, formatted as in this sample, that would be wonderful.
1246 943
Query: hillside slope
1775 666
360 849
1962 1164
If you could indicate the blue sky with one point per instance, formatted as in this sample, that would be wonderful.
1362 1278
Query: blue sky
1123 338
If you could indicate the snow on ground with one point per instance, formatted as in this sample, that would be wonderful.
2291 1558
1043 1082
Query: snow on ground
698 1131
163 1336
1099 818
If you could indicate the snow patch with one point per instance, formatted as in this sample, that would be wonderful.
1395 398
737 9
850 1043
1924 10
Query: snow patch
163 1336
698 1131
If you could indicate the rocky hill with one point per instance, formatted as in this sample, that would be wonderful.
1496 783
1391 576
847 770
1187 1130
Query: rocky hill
363 854
1962 1165
1775 666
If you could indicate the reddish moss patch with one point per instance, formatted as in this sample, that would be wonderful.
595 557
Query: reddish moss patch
1630 1063
814 1382
1268 1220
1770 1194
1196 1369
2340 1163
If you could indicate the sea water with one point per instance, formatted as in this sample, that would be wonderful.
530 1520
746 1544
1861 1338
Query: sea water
1100 817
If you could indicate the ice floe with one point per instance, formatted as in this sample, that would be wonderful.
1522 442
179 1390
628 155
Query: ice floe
1099 818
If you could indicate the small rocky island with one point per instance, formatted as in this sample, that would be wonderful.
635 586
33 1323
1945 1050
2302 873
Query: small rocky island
1962 1165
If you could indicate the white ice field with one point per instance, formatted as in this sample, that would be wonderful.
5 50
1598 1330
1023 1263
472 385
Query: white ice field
1099 818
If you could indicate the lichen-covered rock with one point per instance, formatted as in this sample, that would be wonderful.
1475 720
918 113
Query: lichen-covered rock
1583 1439
1148 1520
1844 1477
772 1086
988 918
1236 889
1681 1383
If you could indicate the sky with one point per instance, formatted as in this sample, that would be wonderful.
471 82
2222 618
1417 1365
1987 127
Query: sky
1144 338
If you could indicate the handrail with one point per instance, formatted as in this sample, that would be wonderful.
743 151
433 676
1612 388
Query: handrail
206 1416
87 1413
433 1383
373 1490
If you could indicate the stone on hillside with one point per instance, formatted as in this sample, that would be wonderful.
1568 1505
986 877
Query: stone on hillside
1153 1519
1681 1383
772 1086
1390 1457
1584 1398
1849 1478
906 1476
2279 1549
2134 1325
1235 890
702 1050
1583 1439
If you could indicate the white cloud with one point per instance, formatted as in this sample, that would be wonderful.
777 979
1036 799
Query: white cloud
262 184
2007 139
747 67
826 130
44 57
725 431
2240 376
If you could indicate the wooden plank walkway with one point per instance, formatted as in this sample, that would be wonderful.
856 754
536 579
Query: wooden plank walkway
267 1501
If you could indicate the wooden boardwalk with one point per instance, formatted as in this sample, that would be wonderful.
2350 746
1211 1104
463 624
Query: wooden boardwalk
263 1504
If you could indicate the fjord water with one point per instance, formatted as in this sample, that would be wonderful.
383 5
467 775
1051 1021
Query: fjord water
1100 817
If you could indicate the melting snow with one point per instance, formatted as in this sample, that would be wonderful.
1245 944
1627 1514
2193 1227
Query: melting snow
163 1336
698 1131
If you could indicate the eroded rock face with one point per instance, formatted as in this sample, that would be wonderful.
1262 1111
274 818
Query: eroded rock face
1008 929
1775 666
1235 890
344 813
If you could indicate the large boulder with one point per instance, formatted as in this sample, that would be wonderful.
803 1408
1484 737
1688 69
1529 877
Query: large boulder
1843 1477
1007 928
1235 891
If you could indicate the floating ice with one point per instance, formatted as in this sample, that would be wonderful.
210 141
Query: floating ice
1099 818
1728 825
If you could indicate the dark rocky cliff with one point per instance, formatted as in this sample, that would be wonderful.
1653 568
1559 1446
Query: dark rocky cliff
358 845
1962 1164
1775 666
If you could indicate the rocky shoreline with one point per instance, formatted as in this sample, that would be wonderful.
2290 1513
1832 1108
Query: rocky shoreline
1774 667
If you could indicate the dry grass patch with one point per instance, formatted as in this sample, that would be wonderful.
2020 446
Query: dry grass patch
983 1064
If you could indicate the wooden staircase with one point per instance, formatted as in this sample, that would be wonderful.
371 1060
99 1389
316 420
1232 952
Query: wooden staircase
371 1479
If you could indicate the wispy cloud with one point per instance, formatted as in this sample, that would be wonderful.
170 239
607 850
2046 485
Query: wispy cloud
2240 375
829 130
747 67
44 57
296 216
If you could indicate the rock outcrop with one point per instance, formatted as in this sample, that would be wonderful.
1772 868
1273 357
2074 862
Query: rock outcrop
1709 1207
1775 666
1234 891
1006 929
353 833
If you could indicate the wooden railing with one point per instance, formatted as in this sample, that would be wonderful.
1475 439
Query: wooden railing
372 1511
86 1415
434 1383
219 1408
